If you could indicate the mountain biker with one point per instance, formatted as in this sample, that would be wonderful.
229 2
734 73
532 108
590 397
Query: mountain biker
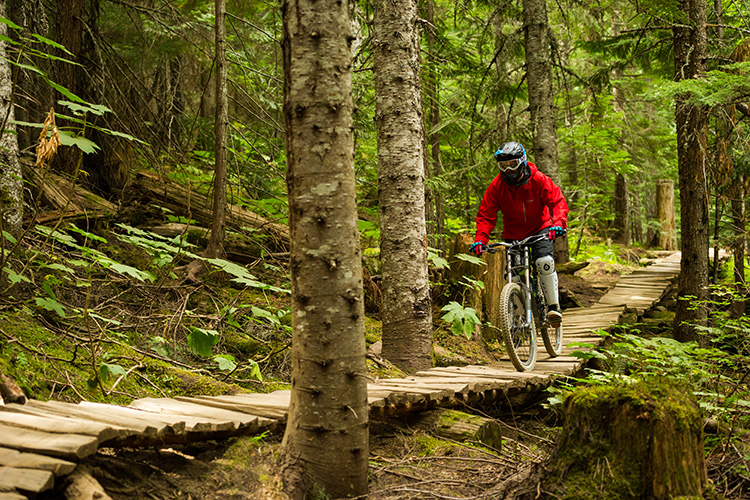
530 203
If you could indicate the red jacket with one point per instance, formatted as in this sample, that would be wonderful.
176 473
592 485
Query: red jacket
526 209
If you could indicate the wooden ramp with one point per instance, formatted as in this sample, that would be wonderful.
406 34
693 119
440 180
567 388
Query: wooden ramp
42 441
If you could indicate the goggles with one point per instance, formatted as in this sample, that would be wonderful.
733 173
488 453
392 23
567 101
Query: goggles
511 165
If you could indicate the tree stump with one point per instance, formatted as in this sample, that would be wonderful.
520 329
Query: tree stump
644 440
485 300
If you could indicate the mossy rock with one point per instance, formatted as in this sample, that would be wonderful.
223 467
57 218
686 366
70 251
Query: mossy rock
642 440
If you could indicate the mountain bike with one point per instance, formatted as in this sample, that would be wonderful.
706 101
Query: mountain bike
523 308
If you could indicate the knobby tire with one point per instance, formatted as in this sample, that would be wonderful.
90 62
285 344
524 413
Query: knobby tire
552 343
520 342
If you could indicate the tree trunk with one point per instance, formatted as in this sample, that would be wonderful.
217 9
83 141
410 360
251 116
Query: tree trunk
407 313
326 439
635 217
11 187
69 29
215 246
622 210
738 249
689 38
434 135
645 439
541 98
667 237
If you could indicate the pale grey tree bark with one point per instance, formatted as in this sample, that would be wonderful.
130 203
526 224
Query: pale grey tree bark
215 246
690 45
406 313
541 98
11 187
326 438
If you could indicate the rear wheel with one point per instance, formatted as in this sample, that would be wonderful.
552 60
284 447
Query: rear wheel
552 338
520 339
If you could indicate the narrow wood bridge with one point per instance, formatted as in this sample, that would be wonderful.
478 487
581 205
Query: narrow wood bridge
43 441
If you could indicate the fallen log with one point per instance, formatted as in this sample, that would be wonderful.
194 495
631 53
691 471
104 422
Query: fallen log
64 198
199 207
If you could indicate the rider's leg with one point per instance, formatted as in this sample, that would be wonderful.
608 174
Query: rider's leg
548 278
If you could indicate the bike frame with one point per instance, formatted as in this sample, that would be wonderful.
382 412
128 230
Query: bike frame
518 262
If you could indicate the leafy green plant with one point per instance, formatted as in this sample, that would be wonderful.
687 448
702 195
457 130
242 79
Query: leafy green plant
463 320
201 341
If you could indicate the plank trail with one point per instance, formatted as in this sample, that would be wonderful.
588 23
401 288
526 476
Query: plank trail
42 440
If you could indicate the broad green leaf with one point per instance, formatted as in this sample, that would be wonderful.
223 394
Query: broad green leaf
64 91
14 277
9 237
108 370
51 305
82 108
226 362
52 43
262 313
10 23
86 145
86 234
60 267
202 341
470 258
57 235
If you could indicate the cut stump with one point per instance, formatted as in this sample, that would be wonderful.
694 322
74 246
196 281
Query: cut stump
635 441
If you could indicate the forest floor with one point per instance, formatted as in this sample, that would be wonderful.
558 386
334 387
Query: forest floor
406 460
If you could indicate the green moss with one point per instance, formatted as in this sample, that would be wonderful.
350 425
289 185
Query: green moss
373 330
427 445
610 430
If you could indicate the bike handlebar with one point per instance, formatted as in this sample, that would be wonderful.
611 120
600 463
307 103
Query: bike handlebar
492 247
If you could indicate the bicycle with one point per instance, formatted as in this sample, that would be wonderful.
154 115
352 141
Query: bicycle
523 307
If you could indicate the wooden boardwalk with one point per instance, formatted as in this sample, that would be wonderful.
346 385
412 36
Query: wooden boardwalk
43 441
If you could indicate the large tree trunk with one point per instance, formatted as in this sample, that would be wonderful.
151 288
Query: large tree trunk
738 249
689 38
69 30
326 438
11 188
667 236
541 99
407 313
434 135
215 246
622 210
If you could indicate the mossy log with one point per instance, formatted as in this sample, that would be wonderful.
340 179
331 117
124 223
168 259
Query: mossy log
197 206
628 442
459 426
66 199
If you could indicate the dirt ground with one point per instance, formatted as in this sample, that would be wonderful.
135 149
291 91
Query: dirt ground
405 462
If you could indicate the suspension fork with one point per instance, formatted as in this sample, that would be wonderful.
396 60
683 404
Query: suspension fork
527 278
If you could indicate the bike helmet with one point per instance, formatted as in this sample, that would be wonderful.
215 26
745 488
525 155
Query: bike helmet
511 159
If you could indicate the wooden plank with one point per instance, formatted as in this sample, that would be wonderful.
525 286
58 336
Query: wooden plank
176 407
137 425
258 408
178 423
56 466
31 480
59 445
101 431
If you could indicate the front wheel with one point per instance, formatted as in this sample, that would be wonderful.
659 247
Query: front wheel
520 338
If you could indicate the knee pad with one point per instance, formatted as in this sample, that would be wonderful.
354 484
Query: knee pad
545 265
